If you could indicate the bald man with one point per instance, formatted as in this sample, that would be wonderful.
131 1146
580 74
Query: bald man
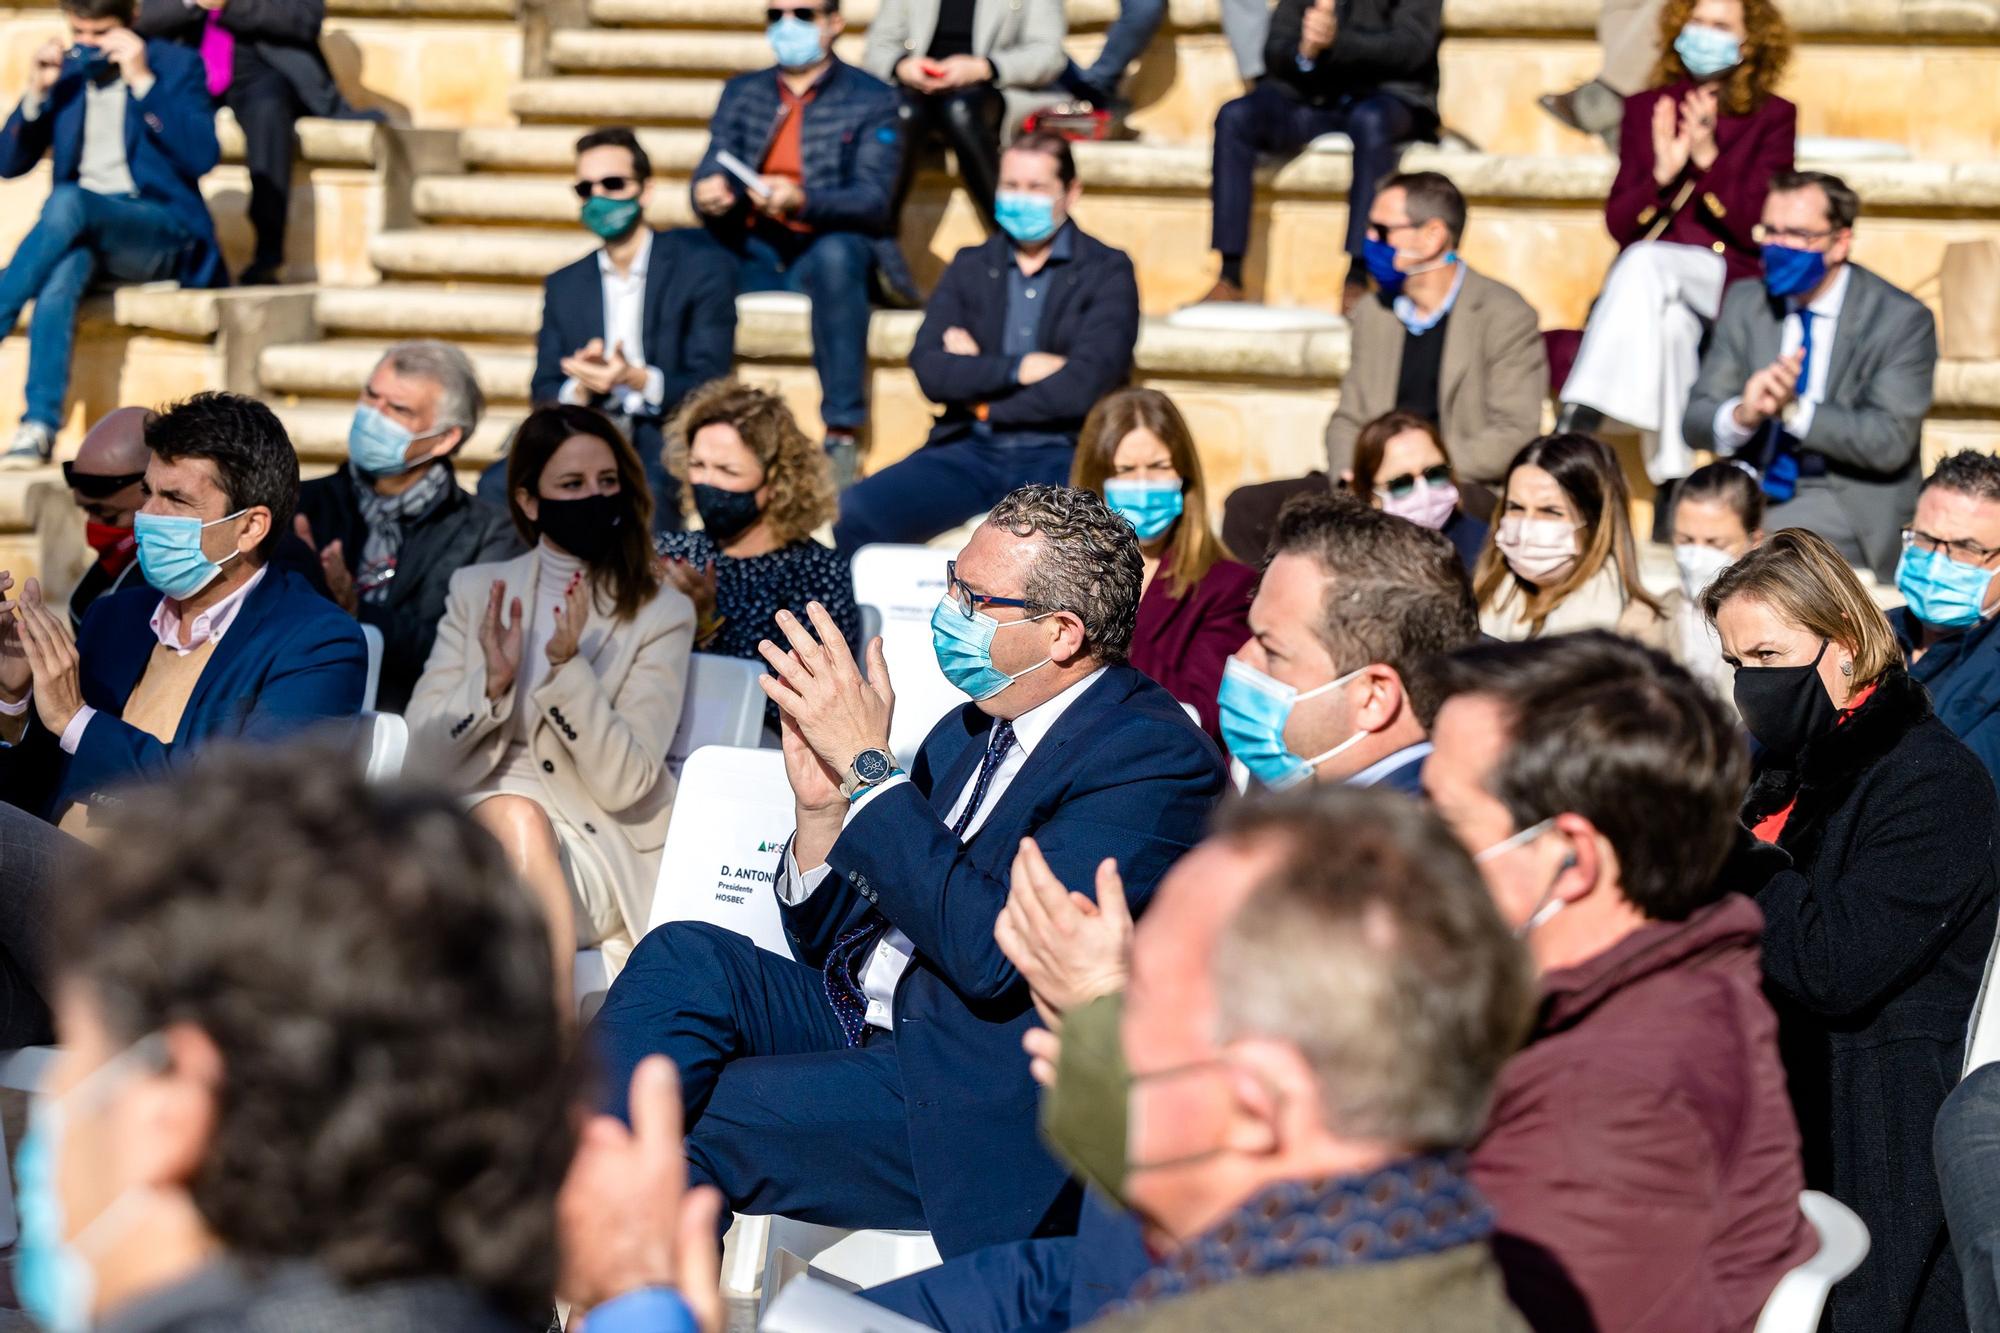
104 482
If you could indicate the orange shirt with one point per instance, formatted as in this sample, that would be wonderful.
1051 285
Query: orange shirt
783 158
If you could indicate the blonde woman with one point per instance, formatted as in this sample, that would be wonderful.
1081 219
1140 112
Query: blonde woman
1561 556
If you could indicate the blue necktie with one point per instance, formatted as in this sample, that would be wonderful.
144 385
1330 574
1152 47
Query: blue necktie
843 987
1781 474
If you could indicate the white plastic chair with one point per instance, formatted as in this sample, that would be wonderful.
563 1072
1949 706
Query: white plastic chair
1982 1030
385 741
372 636
1796 1302
864 1258
903 584
871 625
724 705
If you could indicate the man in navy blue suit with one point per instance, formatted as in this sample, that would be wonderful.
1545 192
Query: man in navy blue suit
636 324
217 644
877 1082
1351 601
131 131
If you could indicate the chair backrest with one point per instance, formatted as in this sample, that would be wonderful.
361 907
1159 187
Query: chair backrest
903 585
871 625
372 636
1796 1302
384 740
723 705
1982 1030
731 818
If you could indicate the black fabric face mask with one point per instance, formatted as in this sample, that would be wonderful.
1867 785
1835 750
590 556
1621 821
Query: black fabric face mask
724 514
1787 707
587 528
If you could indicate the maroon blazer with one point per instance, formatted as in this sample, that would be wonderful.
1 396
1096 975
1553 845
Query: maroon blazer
1183 642
1716 209
1641 1152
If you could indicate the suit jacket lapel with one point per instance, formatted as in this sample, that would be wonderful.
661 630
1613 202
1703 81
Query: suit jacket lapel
1460 334
589 302
987 15
946 790
135 649
656 284
1110 688
241 630
1857 316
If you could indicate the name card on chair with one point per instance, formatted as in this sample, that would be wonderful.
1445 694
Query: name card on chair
732 816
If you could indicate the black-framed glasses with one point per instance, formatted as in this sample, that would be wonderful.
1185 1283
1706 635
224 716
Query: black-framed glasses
1797 237
1961 549
806 12
604 185
969 601
1397 488
97 486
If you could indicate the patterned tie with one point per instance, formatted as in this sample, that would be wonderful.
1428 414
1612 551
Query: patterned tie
218 53
843 987
1781 473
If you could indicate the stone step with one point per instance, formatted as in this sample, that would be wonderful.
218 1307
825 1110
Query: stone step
411 310
394 9
545 200
338 367
616 101
477 252
552 148
613 50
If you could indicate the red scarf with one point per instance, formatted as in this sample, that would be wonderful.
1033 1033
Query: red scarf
1772 825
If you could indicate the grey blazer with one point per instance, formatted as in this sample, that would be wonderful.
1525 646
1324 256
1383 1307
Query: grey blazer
1023 38
1878 389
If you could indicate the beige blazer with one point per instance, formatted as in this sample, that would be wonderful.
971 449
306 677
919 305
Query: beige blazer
1023 38
1491 383
1599 604
604 721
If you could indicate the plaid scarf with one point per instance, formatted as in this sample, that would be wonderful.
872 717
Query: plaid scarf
1422 1205
384 517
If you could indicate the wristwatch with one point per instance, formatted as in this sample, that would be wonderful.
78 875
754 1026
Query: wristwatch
870 768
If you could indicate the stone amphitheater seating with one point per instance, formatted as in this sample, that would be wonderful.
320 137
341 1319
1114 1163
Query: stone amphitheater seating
446 228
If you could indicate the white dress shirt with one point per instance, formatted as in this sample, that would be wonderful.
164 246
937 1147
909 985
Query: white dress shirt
624 326
892 955
1731 436
1389 763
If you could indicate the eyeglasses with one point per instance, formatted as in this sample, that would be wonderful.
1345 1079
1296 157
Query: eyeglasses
97 486
1396 488
969 601
604 185
1793 236
810 15
1964 551
1380 230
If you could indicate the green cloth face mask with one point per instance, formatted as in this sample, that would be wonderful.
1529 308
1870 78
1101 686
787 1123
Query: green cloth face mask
609 219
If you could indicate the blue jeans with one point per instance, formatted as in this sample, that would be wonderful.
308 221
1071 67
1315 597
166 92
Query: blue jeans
79 235
832 268
1137 21
939 487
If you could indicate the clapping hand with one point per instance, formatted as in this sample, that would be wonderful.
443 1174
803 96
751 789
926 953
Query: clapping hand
1698 112
1770 390
15 677
571 617
1671 146
1317 29
52 660
332 566
625 1218
1069 949
819 686
500 639
590 368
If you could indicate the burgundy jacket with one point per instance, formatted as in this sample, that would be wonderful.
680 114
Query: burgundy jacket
1183 642
1641 1152
1715 209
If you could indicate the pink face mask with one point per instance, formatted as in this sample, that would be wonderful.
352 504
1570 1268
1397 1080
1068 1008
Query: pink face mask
1426 505
1536 548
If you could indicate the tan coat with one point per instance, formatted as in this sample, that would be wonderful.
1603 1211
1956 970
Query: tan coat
1491 383
605 719
1599 604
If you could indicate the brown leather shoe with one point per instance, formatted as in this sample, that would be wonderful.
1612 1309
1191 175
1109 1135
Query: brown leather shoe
1221 292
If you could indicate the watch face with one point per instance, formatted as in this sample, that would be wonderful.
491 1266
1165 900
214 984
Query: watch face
871 765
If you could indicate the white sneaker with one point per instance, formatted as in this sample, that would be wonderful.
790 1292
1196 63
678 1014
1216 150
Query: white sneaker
32 447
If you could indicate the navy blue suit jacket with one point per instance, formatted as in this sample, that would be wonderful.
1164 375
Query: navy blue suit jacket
1123 774
290 659
169 146
688 325
1963 675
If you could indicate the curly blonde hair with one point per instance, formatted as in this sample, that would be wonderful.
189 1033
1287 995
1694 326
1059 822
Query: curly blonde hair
795 468
1767 50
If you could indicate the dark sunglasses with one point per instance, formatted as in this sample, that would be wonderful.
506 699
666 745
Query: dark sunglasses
809 15
1398 487
603 185
96 486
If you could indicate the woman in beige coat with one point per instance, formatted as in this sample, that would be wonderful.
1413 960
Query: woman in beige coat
556 684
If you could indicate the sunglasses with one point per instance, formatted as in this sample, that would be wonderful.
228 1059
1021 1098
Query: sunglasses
809 15
604 185
96 486
1398 487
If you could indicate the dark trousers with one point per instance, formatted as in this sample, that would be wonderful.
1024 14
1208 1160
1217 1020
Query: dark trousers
833 269
34 857
1966 1153
1268 120
967 119
268 109
783 1116
939 487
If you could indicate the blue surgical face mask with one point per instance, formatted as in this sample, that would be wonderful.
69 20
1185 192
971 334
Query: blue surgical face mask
1790 272
795 42
52 1278
170 554
964 647
1706 52
1149 506
1028 218
1941 591
380 447
1379 258
1255 709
